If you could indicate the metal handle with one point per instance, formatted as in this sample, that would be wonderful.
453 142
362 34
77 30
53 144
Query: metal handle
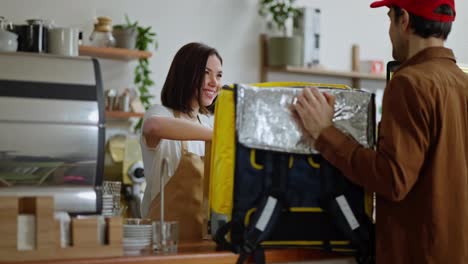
4 23
164 170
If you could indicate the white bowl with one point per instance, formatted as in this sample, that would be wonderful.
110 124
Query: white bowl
8 41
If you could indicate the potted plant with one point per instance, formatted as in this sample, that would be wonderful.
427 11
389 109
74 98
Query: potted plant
145 39
125 34
285 49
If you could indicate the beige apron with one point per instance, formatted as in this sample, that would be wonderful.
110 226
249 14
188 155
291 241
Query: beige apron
183 197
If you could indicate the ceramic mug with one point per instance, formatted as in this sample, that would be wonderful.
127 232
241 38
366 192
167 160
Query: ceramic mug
63 41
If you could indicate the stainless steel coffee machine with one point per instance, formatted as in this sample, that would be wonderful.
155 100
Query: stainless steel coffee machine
52 129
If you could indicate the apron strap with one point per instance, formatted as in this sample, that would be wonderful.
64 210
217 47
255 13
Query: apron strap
183 146
183 143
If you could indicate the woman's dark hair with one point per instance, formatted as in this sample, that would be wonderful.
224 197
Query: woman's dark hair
185 77
428 28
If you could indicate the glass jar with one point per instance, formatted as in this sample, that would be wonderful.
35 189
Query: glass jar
8 40
102 34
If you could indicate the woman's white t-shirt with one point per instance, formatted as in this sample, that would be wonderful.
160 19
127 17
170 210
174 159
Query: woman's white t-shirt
169 149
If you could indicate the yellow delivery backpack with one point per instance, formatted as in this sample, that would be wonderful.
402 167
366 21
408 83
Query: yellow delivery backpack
270 189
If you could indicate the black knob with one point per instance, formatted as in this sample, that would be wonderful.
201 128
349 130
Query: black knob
139 173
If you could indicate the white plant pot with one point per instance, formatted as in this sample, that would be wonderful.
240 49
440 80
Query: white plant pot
125 38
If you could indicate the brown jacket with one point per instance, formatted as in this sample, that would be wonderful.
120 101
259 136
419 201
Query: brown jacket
420 169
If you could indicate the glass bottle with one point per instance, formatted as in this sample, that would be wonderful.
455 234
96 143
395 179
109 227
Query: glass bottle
102 34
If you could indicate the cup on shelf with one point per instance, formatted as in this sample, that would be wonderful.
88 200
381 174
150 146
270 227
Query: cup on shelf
65 234
63 41
112 102
26 232
125 102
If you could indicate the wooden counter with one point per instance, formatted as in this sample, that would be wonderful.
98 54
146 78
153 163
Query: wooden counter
202 253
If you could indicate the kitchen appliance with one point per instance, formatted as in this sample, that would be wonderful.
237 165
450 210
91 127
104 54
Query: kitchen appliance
32 37
133 174
124 163
52 129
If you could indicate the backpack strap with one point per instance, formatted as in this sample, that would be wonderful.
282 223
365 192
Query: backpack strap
334 202
270 208
258 256
220 237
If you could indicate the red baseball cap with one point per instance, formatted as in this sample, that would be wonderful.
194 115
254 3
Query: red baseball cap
422 8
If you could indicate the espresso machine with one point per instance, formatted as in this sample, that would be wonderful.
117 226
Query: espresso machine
52 129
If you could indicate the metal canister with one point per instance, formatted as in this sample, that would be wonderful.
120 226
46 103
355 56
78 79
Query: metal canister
32 37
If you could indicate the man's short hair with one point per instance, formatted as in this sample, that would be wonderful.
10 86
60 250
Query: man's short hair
428 28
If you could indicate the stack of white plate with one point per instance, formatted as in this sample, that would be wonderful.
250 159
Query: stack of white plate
137 238
107 205
116 199
111 189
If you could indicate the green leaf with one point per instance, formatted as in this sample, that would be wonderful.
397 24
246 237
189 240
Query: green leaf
146 97
143 89
142 73
137 78
138 126
279 11
148 82
127 19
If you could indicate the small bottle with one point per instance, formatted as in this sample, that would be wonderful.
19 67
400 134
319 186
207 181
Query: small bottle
80 38
102 34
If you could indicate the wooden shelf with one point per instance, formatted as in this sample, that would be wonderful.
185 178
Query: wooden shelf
114 53
46 237
354 75
204 253
324 72
123 115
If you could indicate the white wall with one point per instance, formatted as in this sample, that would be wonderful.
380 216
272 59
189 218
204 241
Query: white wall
232 26
345 23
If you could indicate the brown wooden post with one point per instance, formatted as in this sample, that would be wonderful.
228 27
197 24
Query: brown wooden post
263 57
355 61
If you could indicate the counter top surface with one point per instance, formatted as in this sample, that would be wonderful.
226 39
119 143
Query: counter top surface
202 252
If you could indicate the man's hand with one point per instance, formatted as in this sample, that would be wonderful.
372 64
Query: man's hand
315 110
